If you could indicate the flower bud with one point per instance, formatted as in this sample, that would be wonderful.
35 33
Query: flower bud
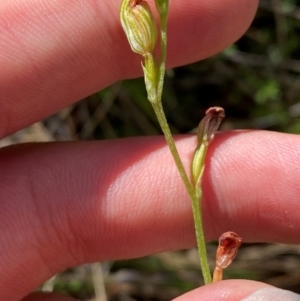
139 26
206 131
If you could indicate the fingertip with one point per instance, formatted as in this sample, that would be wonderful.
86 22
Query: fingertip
206 27
239 290
227 290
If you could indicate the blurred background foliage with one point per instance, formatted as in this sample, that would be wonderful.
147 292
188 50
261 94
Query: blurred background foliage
257 81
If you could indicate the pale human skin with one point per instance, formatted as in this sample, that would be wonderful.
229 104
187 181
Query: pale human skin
65 204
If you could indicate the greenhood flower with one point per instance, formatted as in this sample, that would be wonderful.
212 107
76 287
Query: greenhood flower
139 26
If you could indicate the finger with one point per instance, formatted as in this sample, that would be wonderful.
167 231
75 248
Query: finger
238 290
66 204
57 52
251 186
39 296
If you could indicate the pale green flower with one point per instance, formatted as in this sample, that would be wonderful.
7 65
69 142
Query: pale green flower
139 25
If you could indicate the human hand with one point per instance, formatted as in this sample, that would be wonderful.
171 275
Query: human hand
64 204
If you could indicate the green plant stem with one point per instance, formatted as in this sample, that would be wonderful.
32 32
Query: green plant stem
162 67
194 196
163 14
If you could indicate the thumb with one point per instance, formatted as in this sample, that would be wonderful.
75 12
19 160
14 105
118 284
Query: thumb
239 290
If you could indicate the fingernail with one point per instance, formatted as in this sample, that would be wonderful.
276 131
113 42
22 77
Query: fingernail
272 294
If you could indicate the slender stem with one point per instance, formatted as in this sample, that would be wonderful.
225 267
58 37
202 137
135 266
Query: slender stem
194 193
169 138
138 22
163 54
194 196
196 207
163 9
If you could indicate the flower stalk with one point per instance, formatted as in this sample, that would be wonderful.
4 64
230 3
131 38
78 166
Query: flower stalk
141 31
162 7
